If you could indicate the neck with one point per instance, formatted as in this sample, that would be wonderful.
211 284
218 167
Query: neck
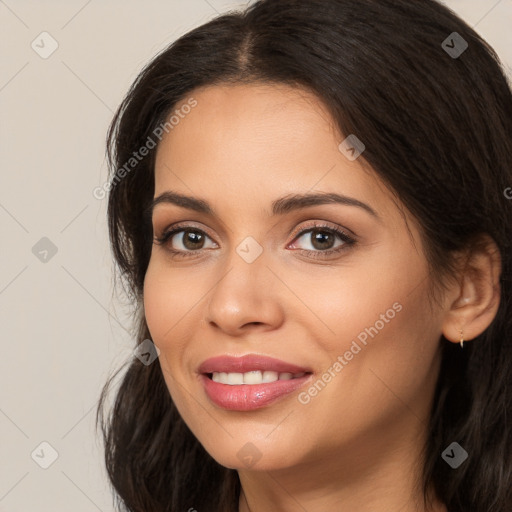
364 477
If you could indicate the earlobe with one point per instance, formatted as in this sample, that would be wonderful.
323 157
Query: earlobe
478 293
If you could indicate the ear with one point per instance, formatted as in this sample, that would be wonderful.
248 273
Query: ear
474 300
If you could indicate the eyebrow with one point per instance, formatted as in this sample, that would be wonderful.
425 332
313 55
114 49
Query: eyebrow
280 206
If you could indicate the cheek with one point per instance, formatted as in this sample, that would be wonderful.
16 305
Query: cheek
367 306
371 383
157 304
163 310
168 298
384 331
170 308
397 361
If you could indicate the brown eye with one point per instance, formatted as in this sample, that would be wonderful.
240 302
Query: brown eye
192 239
183 240
322 239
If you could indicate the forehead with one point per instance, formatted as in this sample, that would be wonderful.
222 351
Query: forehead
269 121
256 142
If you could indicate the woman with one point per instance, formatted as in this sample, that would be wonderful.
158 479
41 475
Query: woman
308 204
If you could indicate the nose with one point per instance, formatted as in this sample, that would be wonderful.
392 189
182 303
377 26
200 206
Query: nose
246 297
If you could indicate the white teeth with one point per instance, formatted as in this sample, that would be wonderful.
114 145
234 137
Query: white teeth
220 377
269 376
253 377
235 378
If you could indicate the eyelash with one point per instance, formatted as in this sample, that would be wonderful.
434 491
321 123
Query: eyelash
318 254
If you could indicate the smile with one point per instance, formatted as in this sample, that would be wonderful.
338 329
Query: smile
251 381
253 377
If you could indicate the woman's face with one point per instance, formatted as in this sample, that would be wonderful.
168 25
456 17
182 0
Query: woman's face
349 310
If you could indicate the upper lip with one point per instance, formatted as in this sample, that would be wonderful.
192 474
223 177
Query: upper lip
247 363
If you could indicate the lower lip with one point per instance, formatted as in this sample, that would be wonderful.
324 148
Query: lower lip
247 397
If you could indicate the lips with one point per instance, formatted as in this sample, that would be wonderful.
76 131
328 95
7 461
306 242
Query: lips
250 382
249 363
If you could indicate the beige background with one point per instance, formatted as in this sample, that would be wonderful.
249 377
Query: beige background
62 333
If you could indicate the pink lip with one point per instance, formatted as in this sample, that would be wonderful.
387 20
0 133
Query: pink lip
246 397
248 363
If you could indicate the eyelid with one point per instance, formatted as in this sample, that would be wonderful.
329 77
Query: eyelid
313 224
347 236
323 224
184 225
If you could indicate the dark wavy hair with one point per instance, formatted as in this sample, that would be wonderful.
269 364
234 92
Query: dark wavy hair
437 130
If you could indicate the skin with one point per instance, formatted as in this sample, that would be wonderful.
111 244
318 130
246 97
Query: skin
357 444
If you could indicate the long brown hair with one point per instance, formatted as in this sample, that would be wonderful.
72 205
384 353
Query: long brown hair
437 128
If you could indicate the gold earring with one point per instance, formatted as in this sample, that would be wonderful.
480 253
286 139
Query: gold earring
461 340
